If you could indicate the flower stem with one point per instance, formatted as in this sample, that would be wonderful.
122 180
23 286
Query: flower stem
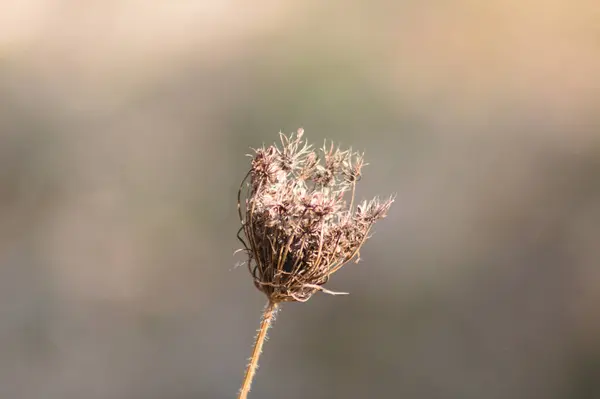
267 318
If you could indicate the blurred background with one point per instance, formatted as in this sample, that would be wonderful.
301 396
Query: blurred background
124 127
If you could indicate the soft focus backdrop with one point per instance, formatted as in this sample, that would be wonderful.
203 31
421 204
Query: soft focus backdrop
123 132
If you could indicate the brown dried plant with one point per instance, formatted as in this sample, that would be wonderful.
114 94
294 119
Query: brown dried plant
299 228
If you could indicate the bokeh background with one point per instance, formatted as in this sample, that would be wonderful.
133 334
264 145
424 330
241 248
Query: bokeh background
123 132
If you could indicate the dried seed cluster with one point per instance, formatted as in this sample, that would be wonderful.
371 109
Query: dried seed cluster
298 225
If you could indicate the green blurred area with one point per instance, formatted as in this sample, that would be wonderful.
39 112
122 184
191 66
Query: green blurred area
123 134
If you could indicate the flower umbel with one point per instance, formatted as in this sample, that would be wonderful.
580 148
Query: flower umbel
298 225
296 207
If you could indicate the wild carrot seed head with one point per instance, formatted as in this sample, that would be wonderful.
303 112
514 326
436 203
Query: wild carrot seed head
298 227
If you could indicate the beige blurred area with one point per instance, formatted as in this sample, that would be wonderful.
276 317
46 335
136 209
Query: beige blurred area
124 129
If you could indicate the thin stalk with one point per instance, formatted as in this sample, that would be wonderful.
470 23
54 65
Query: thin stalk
267 319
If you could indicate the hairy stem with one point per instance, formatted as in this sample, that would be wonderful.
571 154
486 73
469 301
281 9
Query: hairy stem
267 318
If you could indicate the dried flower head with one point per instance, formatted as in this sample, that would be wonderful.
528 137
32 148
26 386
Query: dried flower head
299 228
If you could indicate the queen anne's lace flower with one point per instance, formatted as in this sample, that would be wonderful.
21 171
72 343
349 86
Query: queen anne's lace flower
299 228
